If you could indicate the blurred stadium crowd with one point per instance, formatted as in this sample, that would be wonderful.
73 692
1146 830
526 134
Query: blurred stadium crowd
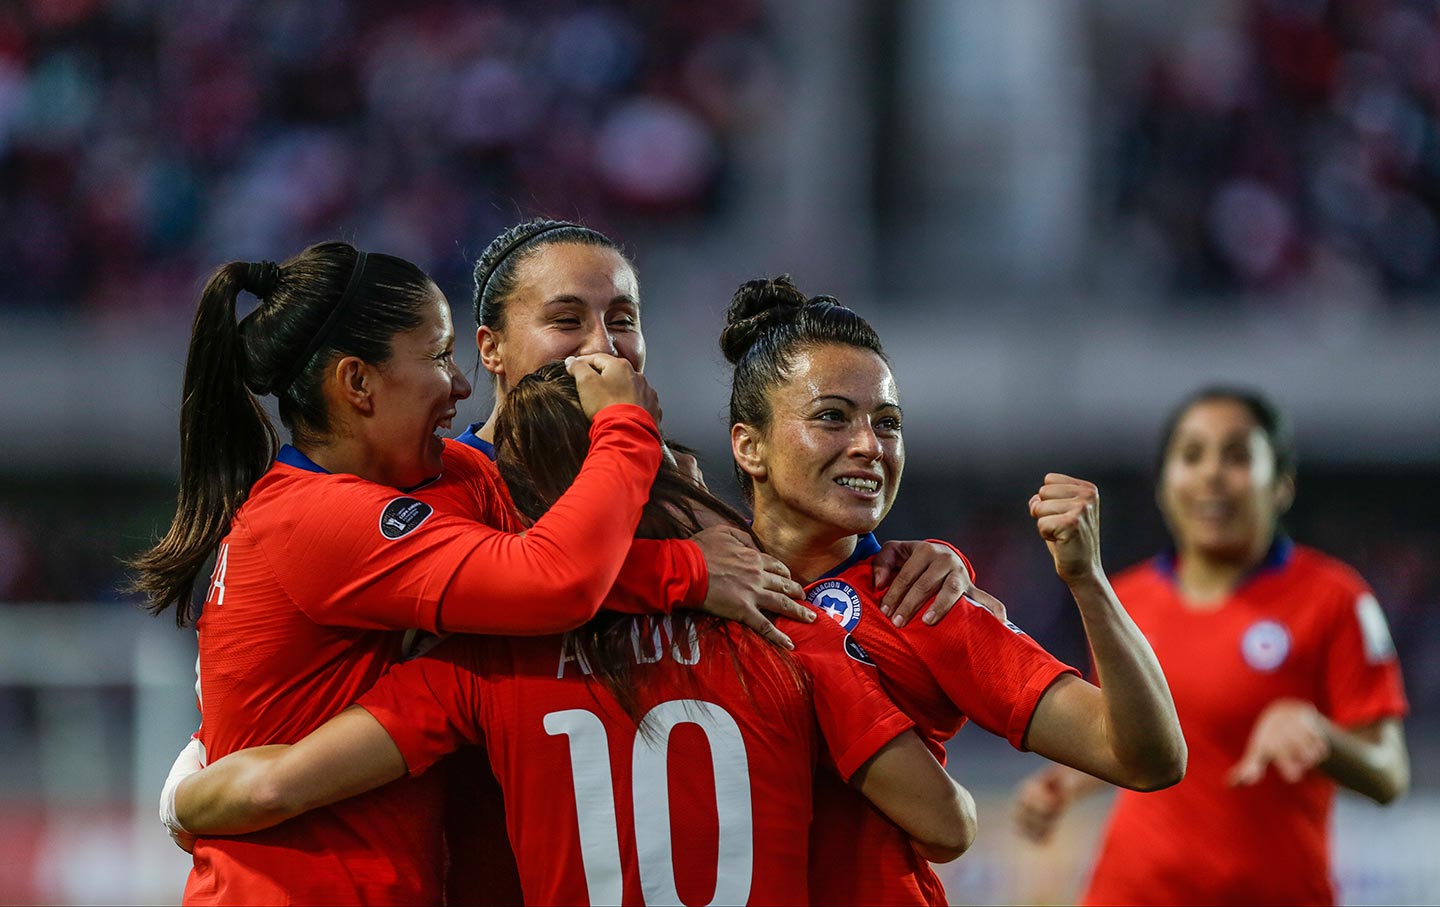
141 141
1292 148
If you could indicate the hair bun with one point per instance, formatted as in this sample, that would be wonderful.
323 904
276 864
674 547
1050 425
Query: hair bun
756 307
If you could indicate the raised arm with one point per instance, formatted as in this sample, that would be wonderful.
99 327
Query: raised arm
1126 731
916 793
263 786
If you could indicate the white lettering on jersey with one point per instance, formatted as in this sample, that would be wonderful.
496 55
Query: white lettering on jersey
569 651
645 650
216 592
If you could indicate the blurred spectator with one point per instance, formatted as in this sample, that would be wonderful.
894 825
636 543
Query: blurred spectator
1292 149
142 142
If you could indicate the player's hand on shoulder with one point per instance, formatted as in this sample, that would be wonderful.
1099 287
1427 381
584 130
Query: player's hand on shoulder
1291 736
603 380
1066 511
912 573
745 581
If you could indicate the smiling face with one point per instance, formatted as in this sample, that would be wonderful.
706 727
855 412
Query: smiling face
570 299
829 463
1219 489
414 396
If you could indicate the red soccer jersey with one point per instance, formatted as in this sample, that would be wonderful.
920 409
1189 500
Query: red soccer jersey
969 666
311 587
709 804
1304 626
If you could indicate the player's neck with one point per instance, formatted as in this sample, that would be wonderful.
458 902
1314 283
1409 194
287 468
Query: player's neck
487 431
807 552
1206 580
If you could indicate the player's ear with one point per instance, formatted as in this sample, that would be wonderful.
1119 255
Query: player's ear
747 445
487 341
1284 493
351 379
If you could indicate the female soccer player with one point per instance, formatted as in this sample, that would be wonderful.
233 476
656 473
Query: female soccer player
818 445
548 289
642 761
1283 673
369 524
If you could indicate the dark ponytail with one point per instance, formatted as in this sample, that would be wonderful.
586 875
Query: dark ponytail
226 443
331 300
768 322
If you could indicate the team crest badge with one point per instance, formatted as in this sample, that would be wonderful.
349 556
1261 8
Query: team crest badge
837 599
402 516
1265 645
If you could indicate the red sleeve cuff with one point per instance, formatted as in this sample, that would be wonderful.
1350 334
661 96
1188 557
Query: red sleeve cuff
870 743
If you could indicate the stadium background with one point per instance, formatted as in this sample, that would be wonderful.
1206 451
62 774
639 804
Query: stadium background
1060 214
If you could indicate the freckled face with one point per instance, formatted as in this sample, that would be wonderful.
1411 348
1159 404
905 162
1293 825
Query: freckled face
570 300
832 456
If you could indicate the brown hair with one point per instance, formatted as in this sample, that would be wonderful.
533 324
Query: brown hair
541 439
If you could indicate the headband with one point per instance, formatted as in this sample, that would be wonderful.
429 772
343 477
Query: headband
515 244
332 321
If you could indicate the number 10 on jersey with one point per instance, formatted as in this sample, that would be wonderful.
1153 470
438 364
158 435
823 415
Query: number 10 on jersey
595 801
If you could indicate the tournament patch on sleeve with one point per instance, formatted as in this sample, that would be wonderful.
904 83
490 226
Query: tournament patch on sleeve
403 516
1374 629
854 650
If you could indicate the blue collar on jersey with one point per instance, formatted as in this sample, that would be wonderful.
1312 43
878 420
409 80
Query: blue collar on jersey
1279 554
291 456
474 440
865 546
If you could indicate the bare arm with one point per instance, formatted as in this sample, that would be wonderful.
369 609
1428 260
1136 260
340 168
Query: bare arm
1042 799
1126 731
906 783
265 785
1292 736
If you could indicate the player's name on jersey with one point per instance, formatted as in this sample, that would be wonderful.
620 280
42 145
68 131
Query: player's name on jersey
647 648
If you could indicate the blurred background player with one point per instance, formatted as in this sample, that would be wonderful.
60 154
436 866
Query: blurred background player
712 730
817 437
1284 677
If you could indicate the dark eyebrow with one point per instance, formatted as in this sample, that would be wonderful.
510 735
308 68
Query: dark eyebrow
887 404
570 299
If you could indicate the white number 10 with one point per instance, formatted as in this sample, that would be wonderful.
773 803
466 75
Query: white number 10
595 801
